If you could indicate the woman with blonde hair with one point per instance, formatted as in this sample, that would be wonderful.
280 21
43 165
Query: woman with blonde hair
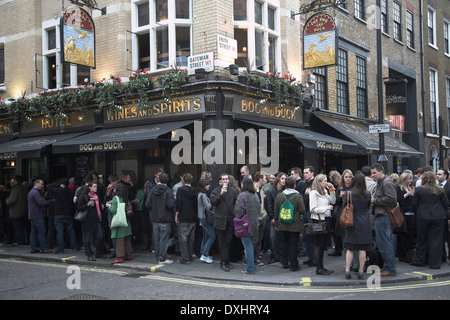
430 204
406 233
320 206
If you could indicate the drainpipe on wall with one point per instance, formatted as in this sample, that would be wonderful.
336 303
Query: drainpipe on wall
422 70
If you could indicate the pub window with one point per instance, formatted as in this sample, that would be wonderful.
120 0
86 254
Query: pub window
410 29
56 73
432 27
162 35
384 16
320 88
343 5
361 87
360 9
342 82
257 37
433 101
397 15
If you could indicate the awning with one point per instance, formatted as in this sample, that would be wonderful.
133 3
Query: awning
115 139
312 140
359 133
31 147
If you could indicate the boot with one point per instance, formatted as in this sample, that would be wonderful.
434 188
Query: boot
88 252
145 240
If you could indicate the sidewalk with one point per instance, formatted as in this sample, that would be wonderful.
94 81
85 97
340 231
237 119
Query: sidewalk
144 261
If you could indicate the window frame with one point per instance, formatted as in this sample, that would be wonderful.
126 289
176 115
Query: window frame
432 44
342 83
434 100
154 29
447 38
410 33
397 21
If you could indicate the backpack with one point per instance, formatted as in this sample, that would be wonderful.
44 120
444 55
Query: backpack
287 211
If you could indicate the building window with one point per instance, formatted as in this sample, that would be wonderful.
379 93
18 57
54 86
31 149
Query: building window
56 73
432 27
434 101
320 88
384 16
446 37
161 34
397 15
447 90
410 29
342 82
2 66
361 87
240 10
343 5
257 35
360 10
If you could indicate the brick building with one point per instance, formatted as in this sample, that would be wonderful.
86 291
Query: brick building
261 37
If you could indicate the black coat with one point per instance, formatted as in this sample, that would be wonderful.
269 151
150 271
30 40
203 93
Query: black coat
361 231
161 203
224 207
63 199
428 206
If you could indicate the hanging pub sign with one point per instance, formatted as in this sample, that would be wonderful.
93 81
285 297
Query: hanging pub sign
78 37
396 97
319 41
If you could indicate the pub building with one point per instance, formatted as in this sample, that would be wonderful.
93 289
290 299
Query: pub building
213 122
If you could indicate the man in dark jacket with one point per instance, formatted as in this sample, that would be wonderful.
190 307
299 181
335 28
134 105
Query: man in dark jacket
63 213
161 203
223 198
186 218
17 204
383 200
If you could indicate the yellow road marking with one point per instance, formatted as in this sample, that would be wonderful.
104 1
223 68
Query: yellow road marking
306 282
429 276
65 259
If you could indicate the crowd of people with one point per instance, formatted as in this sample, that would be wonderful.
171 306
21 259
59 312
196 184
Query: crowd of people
188 221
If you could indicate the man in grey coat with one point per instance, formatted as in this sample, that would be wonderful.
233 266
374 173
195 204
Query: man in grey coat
383 200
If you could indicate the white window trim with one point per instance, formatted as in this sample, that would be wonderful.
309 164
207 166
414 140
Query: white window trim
436 83
251 27
446 22
433 45
171 23
2 44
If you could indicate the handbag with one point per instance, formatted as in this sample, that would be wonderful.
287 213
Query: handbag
316 228
120 218
209 213
396 216
242 227
346 219
81 216
129 211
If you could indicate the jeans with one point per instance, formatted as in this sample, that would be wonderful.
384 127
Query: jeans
385 240
209 236
161 233
186 232
38 230
65 223
249 254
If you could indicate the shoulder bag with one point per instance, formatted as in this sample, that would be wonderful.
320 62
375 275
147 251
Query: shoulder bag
120 218
81 216
242 226
316 228
346 219
396 216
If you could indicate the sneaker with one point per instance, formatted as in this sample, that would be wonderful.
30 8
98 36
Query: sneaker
206 259
167 261
181 261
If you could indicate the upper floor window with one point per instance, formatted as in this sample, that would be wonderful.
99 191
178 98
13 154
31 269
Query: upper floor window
257 33
320 88
410 29
432 27
161 33
384 16
360 11
2 65
434 101
342 82
447 37
56 73
361 87
397 15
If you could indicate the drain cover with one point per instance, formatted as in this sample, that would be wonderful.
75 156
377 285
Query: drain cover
84 296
